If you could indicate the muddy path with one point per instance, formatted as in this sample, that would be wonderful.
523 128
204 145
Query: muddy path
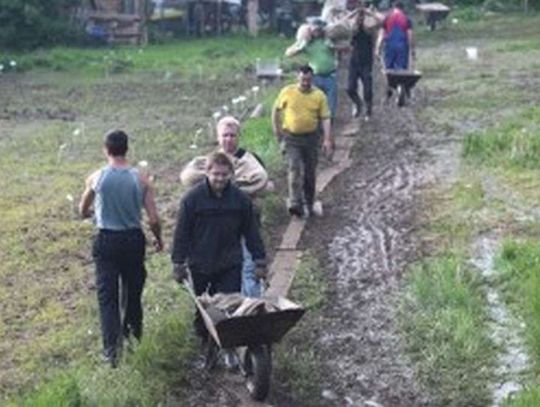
371 213
365 240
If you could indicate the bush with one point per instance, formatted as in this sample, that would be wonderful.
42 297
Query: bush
33 23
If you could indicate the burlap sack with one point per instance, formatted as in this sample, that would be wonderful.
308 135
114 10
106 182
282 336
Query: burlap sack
338 32
371 24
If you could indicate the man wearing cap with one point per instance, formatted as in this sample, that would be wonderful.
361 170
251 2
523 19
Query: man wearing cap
297 113
320 53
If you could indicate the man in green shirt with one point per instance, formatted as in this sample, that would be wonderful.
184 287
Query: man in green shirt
320 54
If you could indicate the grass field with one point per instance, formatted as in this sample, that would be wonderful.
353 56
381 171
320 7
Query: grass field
55 110
56 105
489 105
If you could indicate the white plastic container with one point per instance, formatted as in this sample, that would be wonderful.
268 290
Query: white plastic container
472 53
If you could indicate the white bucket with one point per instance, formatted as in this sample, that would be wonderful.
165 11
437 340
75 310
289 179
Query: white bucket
472 53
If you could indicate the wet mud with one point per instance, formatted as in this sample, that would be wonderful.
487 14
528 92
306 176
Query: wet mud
369 240
365 240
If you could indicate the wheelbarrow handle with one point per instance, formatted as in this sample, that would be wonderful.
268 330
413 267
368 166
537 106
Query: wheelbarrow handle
188 285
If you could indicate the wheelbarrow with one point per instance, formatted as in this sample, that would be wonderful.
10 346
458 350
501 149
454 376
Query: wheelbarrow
402 81
253 336
433 13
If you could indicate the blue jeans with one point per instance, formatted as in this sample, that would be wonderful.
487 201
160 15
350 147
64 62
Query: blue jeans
251 285
328 84
396 56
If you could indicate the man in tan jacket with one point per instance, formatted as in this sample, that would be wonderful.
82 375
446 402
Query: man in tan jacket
249 175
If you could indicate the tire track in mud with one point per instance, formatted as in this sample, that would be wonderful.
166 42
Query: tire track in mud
369 216
368 241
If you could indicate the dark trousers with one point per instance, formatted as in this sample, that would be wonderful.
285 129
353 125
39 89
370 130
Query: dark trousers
119 259
302 156
223 281
364 73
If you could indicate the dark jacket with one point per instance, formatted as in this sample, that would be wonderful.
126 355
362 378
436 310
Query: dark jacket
209 229
362 53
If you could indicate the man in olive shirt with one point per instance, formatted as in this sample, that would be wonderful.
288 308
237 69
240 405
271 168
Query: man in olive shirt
296 115
320 53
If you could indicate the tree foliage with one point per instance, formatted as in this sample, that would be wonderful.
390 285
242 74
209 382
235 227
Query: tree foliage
34 23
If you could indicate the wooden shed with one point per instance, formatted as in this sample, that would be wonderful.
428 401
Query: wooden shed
123 21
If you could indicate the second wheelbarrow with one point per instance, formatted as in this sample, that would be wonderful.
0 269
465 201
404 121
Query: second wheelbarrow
433 13
402 81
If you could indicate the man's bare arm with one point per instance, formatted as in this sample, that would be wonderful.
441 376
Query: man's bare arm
294 49
151 210
276 122
379 17
328 141
379 41
87 198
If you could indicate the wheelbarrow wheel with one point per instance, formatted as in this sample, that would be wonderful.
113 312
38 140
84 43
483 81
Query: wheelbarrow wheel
258 368
402 95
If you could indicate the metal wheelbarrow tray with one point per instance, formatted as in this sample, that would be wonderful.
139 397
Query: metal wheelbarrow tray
252 330
405 78
403 81
433 13
255 334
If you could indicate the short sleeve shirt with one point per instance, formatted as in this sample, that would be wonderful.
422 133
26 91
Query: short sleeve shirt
302 111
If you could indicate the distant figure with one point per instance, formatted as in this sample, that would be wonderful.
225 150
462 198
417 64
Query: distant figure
397 34
249 175
213 218
320 53
361 63
119 192
297 113
197 18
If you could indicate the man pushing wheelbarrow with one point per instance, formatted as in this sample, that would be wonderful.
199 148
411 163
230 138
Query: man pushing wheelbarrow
213 217
399 52
207 258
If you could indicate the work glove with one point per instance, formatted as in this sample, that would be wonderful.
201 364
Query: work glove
261 271
180 272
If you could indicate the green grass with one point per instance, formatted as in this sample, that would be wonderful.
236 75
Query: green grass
257 134
442 310
515 143
476 25
489 103
49 330
190 57
297 363
527 398
149 373
443 317
519 267
519 278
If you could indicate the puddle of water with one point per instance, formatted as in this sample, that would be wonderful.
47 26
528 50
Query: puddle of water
505 328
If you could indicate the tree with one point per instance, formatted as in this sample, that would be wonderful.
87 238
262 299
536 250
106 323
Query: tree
34 23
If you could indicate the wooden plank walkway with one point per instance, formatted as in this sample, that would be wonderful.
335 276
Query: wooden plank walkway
287 255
